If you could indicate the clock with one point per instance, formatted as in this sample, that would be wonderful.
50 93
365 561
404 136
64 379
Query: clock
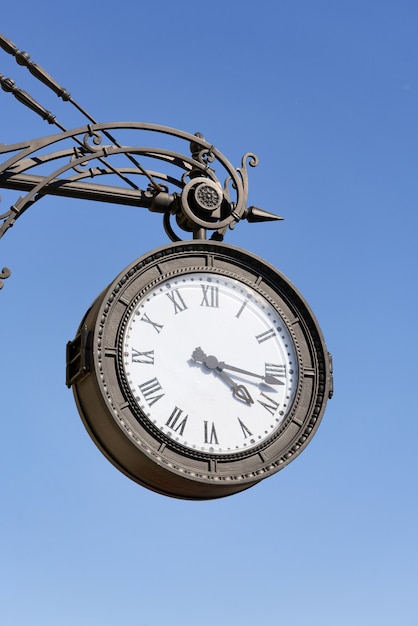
200 370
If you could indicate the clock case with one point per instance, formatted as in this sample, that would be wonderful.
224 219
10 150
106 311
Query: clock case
114 420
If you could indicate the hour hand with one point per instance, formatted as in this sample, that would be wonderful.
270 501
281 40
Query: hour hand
211 362
240 392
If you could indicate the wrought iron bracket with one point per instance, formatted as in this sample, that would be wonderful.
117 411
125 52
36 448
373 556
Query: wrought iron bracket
168 171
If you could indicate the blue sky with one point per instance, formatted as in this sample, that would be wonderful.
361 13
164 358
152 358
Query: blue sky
326 95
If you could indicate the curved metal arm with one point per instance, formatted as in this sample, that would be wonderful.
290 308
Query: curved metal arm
198 187
193 193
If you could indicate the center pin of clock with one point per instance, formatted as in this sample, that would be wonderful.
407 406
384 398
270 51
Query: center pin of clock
240 392
211 362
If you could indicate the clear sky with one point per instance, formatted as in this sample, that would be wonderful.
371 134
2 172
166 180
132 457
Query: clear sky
326 94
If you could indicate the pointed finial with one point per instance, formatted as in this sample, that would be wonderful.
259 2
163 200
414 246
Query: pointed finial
254 214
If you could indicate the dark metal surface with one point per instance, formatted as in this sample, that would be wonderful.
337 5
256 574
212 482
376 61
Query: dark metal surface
192 184
120 427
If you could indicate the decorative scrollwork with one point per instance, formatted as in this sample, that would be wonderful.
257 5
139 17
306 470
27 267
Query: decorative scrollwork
82 167
191 191
203 155
199 200
252 162
5 273
92 135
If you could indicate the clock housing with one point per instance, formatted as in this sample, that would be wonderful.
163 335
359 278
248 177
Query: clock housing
200 370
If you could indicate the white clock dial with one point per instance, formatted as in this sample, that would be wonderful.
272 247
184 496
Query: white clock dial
210 362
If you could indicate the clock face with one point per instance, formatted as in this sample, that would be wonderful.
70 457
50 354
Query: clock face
209 362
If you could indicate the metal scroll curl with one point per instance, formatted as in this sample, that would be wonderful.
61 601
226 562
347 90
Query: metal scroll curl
201 189
5 273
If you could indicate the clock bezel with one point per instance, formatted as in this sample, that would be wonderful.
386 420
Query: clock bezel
131 442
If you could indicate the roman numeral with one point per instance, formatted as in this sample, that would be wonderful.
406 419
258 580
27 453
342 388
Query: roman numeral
268 334
210 296
244 304
177 300
271 405
274 372
210 435
142 357
146 319
175 422
246 432
149 388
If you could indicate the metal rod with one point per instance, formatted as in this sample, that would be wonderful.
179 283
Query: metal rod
85 191
23 59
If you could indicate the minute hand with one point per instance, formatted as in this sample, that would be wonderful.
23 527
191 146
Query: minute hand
268 378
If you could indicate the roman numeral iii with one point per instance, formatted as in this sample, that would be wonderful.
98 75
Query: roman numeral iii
275 372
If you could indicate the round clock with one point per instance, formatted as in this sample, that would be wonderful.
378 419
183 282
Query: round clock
200 370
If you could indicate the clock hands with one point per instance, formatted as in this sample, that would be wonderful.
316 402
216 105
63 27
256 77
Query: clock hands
211 362
199 355
240 392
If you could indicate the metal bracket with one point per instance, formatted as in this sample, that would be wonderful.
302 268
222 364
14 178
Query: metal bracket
199 188
78 357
